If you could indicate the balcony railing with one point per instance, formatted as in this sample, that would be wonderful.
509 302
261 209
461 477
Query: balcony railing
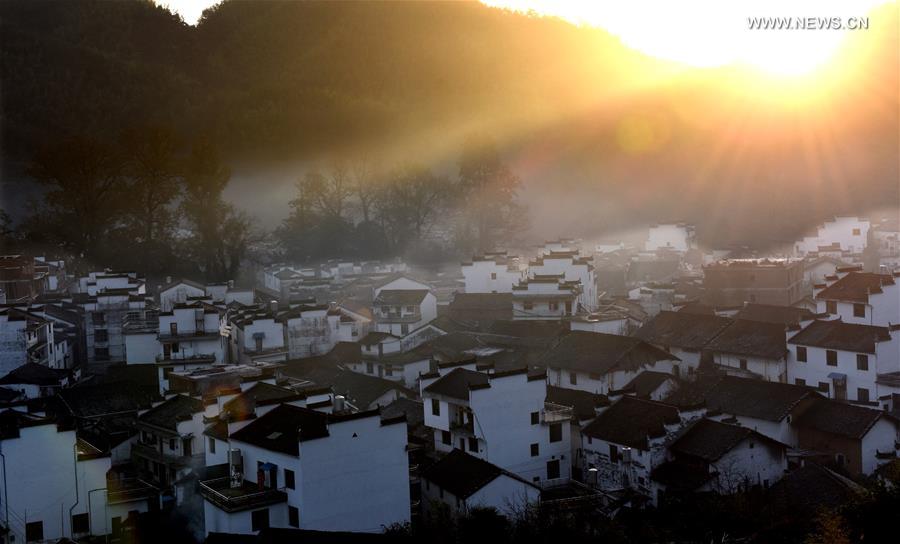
195 358
394 317
462 427
555 413
187 336
219 492
128 490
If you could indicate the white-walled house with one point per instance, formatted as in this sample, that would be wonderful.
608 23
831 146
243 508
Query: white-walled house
857 438
27 337
844 233
573 267
678 237
860 297
501 418
315 329
718 457
843 360
187 337
402 305
47 475
495 272
461 482
684 335
545 297
600 363
179 292
769 408
752 349
623 445
294 467
256 333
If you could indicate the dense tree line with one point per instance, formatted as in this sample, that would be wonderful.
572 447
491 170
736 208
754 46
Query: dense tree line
355 208
148 201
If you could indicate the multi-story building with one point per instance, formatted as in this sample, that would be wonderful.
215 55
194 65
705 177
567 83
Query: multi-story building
860 297
573 267
494 272
601 363
679 237
683 334
28 337
546 297
843 360
402 305
501 417
848 234
315 329
256 333
20 280
765 281
297 467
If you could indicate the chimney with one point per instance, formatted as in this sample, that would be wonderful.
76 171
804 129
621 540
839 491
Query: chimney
338 405
273 306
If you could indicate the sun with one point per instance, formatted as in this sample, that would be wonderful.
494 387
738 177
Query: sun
713 33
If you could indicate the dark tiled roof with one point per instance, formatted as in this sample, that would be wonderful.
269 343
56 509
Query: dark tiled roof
836 334
457 382
631 421
107 398
682 330
805 491
752 338
583 402
768 313
401 297
283 427
360 390
33 374
375 337
217 430
481 306
168 414
838 418
599 353
528 328
413 410
261 394
462 474
645 383
755 398
710 440
855 287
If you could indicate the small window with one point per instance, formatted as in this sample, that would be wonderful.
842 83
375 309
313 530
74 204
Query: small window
388 370
98 318
81 523
493 275
831 357
830 307
573 378
212 445
173 329
259 519
289 478
34 531
857 232
173 444
862 361
473 444
554 306
613 453
862 394
801 354
370 368
435 407
293 517
101 335
535 450
446 438
859 310
743 363
528 305
823 387
800 381
556 432
535 418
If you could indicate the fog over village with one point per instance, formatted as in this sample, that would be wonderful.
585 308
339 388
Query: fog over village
511 271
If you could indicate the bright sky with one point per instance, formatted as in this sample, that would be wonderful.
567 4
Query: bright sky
190 10
708 33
